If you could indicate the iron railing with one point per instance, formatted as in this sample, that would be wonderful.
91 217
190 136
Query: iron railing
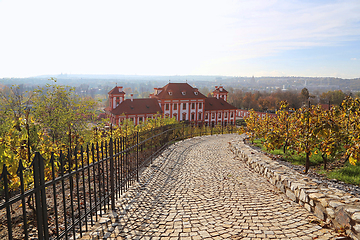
75 191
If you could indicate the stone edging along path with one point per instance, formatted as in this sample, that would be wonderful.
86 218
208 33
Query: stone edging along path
331 205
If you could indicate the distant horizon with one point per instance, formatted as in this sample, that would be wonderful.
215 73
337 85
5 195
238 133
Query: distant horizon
159 75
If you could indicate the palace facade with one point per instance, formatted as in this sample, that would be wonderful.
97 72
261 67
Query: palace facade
178 100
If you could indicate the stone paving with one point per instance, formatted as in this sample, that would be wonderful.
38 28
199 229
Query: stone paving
197 190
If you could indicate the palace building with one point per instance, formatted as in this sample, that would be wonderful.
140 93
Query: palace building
178 100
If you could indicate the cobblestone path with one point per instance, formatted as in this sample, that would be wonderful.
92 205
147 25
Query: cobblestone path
197 190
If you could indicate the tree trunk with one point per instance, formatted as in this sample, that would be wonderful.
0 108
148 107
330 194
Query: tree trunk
307 162
284 148
325 160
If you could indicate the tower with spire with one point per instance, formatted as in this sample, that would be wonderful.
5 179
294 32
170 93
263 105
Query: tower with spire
116 96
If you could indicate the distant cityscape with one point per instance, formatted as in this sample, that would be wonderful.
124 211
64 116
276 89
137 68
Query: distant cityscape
101 84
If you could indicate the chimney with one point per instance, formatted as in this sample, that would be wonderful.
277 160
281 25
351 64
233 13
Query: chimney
120 89
216 87
132 97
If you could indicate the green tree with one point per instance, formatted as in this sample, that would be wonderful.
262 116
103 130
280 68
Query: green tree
334 97
63 115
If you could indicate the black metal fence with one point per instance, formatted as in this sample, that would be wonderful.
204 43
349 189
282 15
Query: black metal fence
80 185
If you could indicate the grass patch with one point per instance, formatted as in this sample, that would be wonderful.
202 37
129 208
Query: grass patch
348 174
291 156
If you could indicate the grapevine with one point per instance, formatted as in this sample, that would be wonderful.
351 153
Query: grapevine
311 129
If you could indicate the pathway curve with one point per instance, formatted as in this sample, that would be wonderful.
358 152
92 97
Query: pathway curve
197 190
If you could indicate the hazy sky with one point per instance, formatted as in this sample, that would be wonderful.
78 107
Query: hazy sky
234 38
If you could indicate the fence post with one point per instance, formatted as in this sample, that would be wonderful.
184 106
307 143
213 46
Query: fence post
151 146
20 173
40 197
112 185
7 197
190 130
166 138
137 156
183 131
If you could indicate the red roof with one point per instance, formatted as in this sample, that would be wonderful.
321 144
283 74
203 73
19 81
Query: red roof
212 103
138 106
116 90
179 91
217 90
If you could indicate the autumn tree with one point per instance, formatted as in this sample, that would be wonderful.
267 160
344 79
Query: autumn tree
311 129
327 131
261 101
249 101
303 132
252 125
236 98
280 134
350 128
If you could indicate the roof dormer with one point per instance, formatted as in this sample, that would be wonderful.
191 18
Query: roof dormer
157 90
220 92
